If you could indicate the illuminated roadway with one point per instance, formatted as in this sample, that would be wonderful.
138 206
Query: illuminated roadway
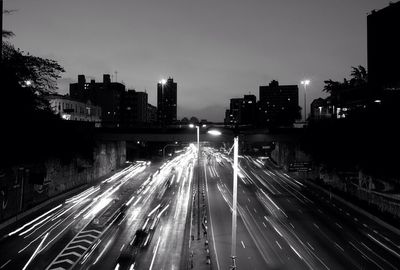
90 230
284 224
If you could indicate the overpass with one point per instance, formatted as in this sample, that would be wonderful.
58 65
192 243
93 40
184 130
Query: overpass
184 134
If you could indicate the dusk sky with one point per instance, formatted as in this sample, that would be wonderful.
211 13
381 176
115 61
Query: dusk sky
215 50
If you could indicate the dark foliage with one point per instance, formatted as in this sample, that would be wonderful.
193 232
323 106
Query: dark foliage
30 131
368 140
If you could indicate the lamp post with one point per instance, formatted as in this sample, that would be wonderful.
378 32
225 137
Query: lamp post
161 113
234 202
305 83
198 178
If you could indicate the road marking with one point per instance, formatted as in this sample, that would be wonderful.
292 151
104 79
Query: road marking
211 222
364 255
383 245
278 244
337 224
264 225
155 253
316 226
7 262
295 251
36 251
243 244
377 255
310 246
336 244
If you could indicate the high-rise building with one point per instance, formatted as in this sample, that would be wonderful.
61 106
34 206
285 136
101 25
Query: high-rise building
249 110
167 101
151 114
278 105
133 108
242 111
383 48
105 94
235 109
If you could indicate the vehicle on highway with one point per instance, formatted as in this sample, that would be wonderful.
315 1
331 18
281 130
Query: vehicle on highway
127 258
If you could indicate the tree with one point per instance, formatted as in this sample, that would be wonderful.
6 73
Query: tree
359 76
331 87
27 80
42 73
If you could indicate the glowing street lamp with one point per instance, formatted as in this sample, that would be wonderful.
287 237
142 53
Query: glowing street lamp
234 203
305 83
198 178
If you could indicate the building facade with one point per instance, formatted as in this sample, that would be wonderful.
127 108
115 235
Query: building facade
133 108
70 109
383 48
278 104
151 114
106 94
167 101
249 110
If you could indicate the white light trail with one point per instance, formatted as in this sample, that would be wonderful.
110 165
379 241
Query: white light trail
36 219
155 253
36 251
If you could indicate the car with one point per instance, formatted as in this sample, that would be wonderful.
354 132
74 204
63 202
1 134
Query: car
125 261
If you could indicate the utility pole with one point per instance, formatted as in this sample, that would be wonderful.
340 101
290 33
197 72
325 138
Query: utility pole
234 203
1 24
198 183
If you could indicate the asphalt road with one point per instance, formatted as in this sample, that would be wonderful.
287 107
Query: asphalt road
92 229
282 223
285 224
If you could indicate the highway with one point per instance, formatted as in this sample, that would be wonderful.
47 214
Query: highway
285 224
138 219
93 229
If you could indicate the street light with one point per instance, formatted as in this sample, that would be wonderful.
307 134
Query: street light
198 178
305 83
234 203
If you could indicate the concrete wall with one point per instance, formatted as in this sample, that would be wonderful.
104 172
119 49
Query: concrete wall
285 153
107 156
25 186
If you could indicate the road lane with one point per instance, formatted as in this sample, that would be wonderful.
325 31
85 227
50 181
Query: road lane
305 228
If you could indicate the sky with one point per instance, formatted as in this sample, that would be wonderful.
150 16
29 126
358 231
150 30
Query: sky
214 49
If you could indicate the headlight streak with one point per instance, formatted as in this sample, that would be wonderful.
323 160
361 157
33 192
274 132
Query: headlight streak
36 252
273 205
36 219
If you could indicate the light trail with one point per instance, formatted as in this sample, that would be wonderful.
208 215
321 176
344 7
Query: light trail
155 253
36 252
36 219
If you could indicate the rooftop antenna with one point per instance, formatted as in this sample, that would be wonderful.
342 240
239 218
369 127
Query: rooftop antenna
116 76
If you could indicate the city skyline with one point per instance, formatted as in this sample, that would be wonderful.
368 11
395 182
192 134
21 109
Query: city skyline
218 54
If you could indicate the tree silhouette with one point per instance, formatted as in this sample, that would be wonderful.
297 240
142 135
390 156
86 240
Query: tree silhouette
359 78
